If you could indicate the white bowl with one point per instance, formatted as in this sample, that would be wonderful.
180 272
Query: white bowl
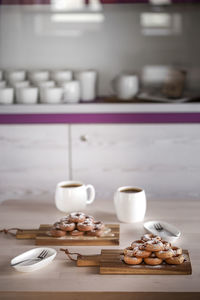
20 84
27 95
33 265
46 84
61 75
15 75
2 84
51 95
37 76
171 233
6 95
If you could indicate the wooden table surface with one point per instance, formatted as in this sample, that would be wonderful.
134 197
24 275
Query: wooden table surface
63 280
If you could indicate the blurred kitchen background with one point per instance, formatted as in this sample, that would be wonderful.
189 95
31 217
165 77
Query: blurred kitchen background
147 39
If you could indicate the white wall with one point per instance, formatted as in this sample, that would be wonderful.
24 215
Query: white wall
114 46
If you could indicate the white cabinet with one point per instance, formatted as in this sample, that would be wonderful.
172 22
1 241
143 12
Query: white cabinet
163 159
33 158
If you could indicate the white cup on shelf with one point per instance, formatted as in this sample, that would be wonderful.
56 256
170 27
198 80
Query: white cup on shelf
130 204
88 80
61 75
20 84
27 95
38 75
126 86
1 75
2 84
51 95
6 95
71 91
15 75
46 84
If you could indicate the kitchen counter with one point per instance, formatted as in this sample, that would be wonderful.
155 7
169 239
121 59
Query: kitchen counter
63 280
86 113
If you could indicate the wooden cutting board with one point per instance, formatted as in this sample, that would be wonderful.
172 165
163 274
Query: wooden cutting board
42 237
111 262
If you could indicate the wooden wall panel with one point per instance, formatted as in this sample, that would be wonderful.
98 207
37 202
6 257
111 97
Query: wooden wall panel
163 159
32 160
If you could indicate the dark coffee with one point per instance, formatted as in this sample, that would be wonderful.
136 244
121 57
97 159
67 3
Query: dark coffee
131 190
71 185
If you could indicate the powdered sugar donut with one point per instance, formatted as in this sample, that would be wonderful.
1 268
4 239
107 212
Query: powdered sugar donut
132 260
76 233
138 243
150 236
77 217
55 231
154 245
128 251
175 260
166 245
89 218
153 260
67 225
87 225
177 250
164 253
141 253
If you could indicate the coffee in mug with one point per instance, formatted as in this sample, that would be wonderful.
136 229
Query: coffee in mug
130 204
73 196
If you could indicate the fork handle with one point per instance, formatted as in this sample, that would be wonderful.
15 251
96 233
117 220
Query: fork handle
29 259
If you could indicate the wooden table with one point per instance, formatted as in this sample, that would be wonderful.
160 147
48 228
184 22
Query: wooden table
63 280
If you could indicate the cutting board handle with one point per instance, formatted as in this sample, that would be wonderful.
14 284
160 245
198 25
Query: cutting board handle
69 254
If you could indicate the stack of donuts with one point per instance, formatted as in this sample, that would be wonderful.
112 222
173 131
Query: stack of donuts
77 224
153 251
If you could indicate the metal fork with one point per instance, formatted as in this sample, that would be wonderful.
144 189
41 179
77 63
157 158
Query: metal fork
160 228
41 256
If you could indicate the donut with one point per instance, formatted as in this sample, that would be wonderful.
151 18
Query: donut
150 236
153 260
164 253
175 260
128 251
98 225
177 251
166 245
141 253
65 219
132 260
87 225
138 243
76 233
154 245
77 217
67 226
90 218
56 231
95 232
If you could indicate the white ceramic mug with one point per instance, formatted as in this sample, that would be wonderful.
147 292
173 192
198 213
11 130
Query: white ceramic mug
2 84
51 95
71 91
6 95
88 81
130 204
126 86
27 95
61 75
73 196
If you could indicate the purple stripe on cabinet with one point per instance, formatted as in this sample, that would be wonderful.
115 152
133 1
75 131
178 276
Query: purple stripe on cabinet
100 118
